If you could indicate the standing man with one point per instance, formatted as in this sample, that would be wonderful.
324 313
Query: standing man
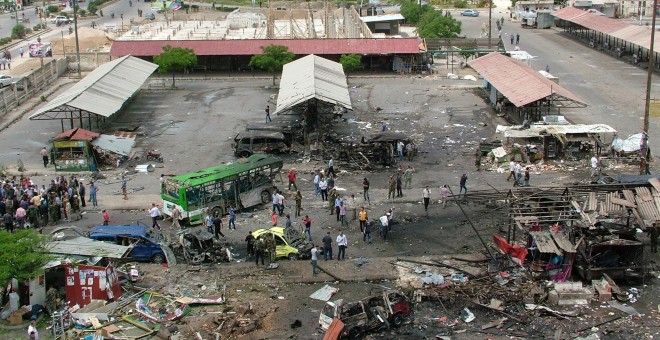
317 182
93 189
106 217
477 159
408 176
426 196
209 221
444 195
323 189
512 171
362 216
123 187
280 202
270 247
367 232
526 176
338 204
308 226
81 193
249 239
315 259
327 246
595 164
268 114
20 217
399 150
21 51
517 39
391 187
292 179
232 218
176 216
365 190
384 224
331 168
154 212
462 184
342 215
410 151
217 226
399 183
259 249
342 243
298 199
44 156
512 38
332 200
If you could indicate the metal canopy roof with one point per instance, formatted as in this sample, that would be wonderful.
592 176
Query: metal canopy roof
521 84
102 92
86 247
312 77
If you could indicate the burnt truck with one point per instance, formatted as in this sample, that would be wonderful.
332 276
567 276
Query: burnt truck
389 308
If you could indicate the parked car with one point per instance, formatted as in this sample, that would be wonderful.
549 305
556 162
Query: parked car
146 247
5 81
289 242
470 13
389 307
156 9
60 20
150 16
248 142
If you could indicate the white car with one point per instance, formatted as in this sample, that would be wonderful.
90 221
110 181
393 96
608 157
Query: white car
5 81
60 20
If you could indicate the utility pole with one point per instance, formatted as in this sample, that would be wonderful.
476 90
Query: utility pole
490 23
643 148
75 26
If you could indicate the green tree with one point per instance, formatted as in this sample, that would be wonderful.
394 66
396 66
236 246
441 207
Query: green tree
467 47
410 11
434 25
273 58
350 62
21 255
19 32
175 59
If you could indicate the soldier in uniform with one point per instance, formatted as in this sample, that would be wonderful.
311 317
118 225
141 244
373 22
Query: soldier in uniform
270 246
32 216
53 209
259 248
43 211
51 300
298 199
75 207
331 200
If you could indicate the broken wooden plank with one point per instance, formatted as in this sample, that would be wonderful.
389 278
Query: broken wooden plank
623 202
655 183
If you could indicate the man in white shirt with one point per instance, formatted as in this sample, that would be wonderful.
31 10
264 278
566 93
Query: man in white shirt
384 224
399 150
426 195
342 242
317 179
280 203
154 212
444 195
33 332
315 258
595 164
331 168
512 171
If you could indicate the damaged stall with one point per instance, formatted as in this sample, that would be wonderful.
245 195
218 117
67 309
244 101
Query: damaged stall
571 142
109 148
552 253
71 150
375 150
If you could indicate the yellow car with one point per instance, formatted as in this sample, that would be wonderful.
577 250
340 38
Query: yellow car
288 242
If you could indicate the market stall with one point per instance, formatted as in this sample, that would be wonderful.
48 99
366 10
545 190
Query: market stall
71 150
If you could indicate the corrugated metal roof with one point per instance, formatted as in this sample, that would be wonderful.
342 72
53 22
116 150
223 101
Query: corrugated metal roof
382 18
118 145
77 134
312 77
252 47
517 131
545 243
86 247
519 83
105 90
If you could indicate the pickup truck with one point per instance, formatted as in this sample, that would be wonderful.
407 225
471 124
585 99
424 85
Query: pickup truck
374 312
60 20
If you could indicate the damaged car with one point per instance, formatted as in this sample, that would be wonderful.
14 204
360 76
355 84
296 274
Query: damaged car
289 242
389 308
198 247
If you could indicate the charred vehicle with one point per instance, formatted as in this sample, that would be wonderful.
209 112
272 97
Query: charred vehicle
289 242
198 247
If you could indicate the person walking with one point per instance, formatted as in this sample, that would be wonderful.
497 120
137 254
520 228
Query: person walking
323 188
208 220
384 224
317 182
123 187
595 165
44 156
273 218
292 179
399 185
268 114
176 217
342 215
517 39
426 197
270 247
259 250
298 199
307 222
315 259
352 206
232 218
280 203
93 189
512 38
154 212
217 226
362 217
410 151
444 195
365 191
391 187
288 223
526 177
331 168
21 51
106 217
338 203
462 185
408 176
366 234
249 239
512 171
342 243
327 246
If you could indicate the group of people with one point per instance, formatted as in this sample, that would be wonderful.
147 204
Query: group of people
520 176
25 205
5 60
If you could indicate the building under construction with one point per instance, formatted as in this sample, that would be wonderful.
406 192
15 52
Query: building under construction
305 28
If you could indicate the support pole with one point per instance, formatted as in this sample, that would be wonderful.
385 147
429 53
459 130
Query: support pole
647 103
472 225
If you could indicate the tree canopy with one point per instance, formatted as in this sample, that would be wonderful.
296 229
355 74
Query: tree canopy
273 58
350 62
175 59
21 255
410 11
434 25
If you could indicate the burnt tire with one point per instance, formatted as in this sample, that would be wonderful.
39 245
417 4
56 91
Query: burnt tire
293 257
265 196
244 154
397 320
217 211
158 259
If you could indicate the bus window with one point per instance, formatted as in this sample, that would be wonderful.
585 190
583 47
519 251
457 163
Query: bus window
192 196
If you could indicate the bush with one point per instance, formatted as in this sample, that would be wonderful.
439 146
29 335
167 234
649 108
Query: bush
226 9
39 27
482 3
5 41
460 4
52 9
19 32
82 12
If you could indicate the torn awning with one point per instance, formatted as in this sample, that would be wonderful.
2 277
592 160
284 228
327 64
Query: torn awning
115 144
77 134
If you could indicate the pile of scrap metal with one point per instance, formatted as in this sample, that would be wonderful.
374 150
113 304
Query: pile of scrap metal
369 152
196 247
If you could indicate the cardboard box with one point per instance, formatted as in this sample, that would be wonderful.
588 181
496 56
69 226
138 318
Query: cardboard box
16 318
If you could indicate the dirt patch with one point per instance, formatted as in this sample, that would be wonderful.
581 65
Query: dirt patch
89 40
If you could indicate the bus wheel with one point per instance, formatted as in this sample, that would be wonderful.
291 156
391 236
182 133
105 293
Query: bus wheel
265 196
245 154
217 211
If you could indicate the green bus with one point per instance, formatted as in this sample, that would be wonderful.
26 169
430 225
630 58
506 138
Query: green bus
244 183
